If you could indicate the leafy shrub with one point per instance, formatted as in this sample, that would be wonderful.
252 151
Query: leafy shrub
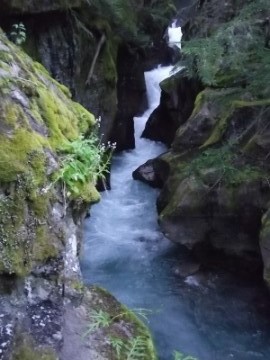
234 54
85 160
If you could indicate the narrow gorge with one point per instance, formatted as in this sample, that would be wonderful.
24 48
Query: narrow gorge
134 180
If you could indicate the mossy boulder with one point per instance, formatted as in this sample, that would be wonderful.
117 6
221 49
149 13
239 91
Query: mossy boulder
37 117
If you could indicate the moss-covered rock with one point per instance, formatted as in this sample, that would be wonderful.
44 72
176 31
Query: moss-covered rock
86 338
37 117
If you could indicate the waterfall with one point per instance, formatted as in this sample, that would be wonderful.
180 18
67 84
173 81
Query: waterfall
175 35
206 315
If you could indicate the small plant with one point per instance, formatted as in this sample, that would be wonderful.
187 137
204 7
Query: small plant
117 344
180 356
133 349
18 34
99 319
136 348
86 160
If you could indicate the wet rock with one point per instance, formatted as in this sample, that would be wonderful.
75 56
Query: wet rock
82 343
176 105
153 172
227 218
131 95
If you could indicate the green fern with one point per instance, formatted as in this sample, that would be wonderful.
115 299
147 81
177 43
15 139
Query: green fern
117 344
98 319
133 349
137 348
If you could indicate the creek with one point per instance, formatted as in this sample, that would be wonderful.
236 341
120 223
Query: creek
212 315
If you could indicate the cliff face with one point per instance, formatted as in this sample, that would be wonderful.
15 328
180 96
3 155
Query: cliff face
44 305
37 118
64 36
57 37
217 189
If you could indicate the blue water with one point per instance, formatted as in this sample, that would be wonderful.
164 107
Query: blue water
211 315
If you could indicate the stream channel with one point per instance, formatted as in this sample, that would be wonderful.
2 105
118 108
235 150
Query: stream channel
211 315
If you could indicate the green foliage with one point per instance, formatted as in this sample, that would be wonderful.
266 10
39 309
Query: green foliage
226 165
18 34
117 344
180 356
101 319
236 49
85 161
134 21
133 349
136 348
120 14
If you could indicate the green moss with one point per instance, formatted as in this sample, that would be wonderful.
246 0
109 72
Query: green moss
224 162
43 123
60 120
26 350
14 249
44 247
218 130
65 90
40 69
11 113
86 120
221 103
15 152
39 203
86 192
5 56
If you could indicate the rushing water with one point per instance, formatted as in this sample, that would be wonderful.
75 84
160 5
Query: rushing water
210 315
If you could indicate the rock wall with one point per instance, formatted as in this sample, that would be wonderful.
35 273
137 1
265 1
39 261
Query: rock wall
57 38
64 36
216 192
44 305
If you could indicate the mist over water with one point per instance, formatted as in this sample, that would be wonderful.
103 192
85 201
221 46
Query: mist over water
211 315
